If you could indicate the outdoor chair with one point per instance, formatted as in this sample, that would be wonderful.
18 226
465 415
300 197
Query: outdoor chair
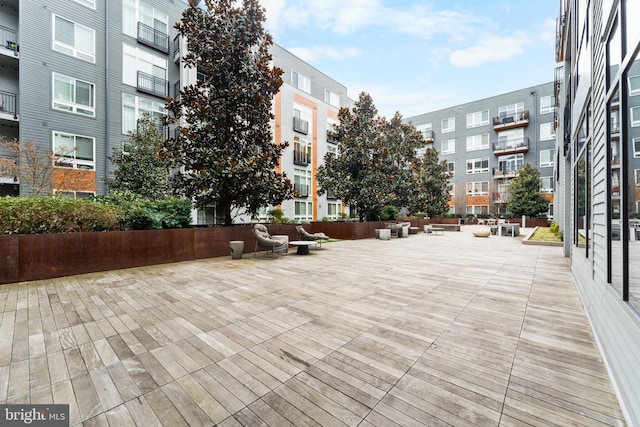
266 242
315 237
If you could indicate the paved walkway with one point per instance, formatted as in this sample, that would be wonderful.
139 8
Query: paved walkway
427 330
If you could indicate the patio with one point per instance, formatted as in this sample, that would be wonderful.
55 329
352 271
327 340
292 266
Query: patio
451 330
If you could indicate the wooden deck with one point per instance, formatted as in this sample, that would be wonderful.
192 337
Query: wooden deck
452 330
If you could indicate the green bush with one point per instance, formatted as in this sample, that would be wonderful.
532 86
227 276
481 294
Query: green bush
43 215
142 218
388 213
174 212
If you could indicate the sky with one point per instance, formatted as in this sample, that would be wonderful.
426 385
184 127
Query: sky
418 56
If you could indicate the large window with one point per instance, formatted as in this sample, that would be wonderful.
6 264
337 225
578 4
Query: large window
546 158
134 107
479 118
302 182
478 142
477 210
74 39
448 125
91 4
331 98
635 116
334 210
547 131
154 67
477 188
303 211
451 168
511 109
546 184
76 151
135 11
301 82
546 104
634 85
448 146
478 165
73 95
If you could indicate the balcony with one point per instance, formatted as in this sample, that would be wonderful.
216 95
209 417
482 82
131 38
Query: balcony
153 38
502 172
560 29
8 106
300 126
332 138
301 189
9 40
510 121
510 146
176 49
301 157
500 197
429 136
153 85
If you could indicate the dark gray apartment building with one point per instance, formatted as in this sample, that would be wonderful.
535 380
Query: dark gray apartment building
598 180
486 142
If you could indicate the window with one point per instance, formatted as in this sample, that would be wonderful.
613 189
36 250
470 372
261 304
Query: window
77 151
153 66
479 118
634 85
301 151
635 116
74 39
546 158
135 11
134 107
478 188
449 125
636 148
67 194
451 168
478 165
478 210
448 147
334 209
546 105
302 182
303 211
546 184
547 131
333 149
73 95
425 130
510 163
302 119
477 142
511 109
91 4
301 82
331 98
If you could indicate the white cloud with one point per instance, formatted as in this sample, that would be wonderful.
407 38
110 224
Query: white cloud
316 53
490 49
548 30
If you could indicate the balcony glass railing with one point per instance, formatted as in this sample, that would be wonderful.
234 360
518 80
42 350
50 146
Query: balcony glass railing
301 126
153 85
520 118
153 38
513 144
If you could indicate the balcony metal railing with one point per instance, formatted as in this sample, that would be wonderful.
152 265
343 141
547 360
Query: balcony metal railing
9 39
505 172
428 135
9 103
301 126
154 38
331 137
301 189
301 156
500 197
153 85
560 28
176 48
511 120
512 145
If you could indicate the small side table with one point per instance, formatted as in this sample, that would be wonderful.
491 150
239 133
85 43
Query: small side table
303 246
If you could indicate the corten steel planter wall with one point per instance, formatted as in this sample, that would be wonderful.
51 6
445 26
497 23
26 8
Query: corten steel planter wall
27 257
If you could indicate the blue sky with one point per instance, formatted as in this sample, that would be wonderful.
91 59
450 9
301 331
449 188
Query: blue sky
420 56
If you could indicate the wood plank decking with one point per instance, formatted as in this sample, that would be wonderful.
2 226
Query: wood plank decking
453 330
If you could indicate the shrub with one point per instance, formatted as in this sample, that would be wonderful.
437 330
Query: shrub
43 215
388 213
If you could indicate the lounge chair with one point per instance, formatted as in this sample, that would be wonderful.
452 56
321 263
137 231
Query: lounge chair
266 242
315 237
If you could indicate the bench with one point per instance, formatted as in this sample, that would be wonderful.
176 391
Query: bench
436 230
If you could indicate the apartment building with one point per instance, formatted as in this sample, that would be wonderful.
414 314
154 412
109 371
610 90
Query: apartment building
486 142
76 75
598 172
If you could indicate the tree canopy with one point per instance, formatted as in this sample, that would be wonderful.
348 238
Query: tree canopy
225 145
524 193
431 182
374 167
140 167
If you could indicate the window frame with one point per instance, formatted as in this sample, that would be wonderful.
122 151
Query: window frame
473 190
74 106
448 129
474 146
72 162
300 81
69 50
546 189
548 163
632 91
136 110
474 169
546 109
551 135
331 98
91 4
473 123
633 120
449 142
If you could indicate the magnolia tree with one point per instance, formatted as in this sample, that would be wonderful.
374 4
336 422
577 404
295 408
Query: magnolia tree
225 145
140 167
431 185
524 193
